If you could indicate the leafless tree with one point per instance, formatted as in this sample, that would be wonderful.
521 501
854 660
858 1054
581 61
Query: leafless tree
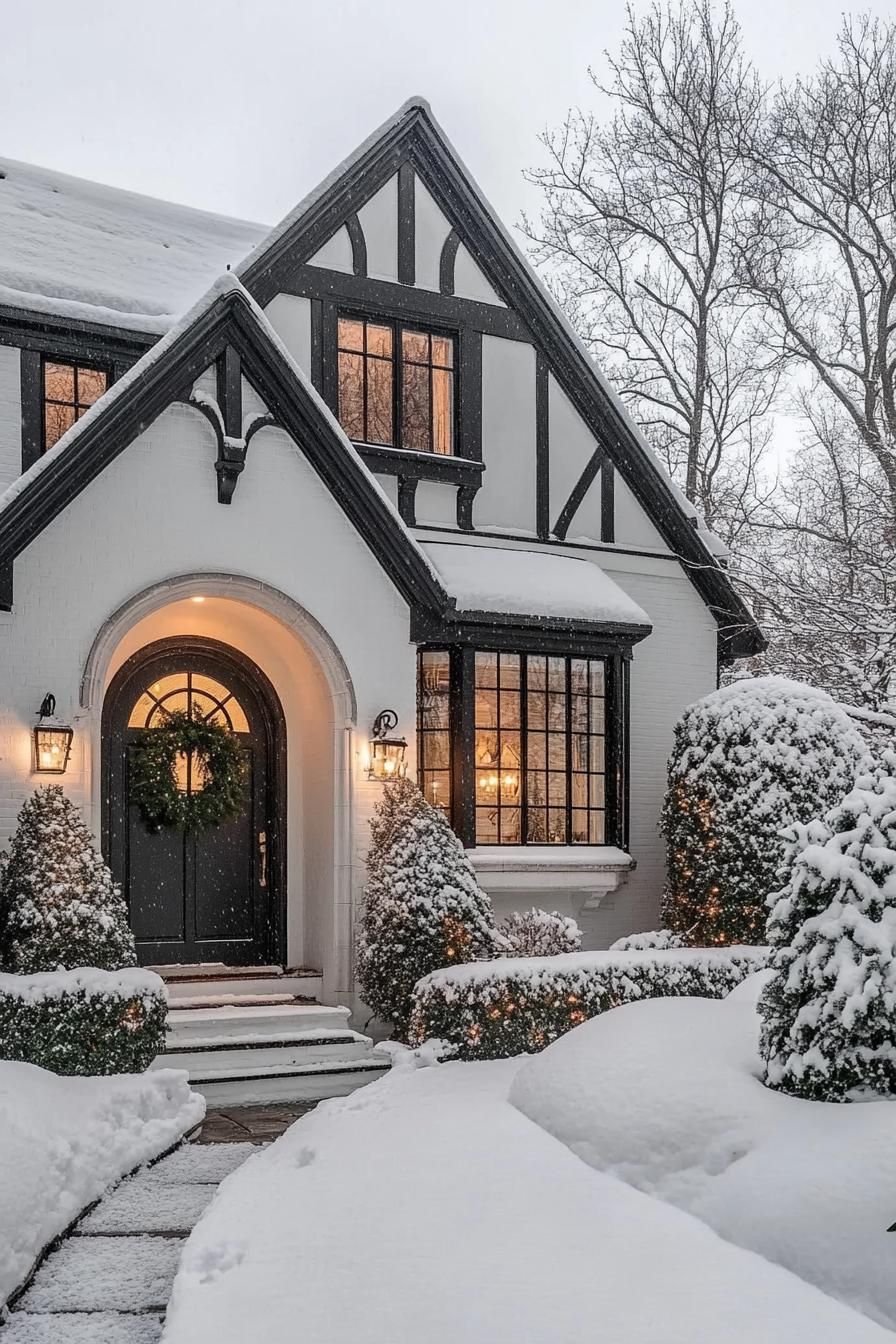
644 212
819 254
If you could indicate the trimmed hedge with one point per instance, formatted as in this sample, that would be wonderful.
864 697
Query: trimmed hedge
84 1021
513 1006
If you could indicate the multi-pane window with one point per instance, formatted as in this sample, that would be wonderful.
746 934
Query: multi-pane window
69 390
433 727
396 385
539 750
532 752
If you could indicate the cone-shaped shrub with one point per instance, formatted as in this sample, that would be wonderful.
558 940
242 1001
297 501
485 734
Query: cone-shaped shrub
829 1012
423 907
748 761
59 907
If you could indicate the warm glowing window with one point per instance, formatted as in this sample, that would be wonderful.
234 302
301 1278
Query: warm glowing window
434 724
531 749
396 385
188 693
69 390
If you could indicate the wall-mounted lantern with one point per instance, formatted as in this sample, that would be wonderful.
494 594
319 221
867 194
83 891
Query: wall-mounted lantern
52 740
386 753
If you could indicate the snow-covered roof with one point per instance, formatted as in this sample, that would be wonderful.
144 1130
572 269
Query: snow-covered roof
531 583
82 250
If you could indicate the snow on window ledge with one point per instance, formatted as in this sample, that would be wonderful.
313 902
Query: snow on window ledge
588 870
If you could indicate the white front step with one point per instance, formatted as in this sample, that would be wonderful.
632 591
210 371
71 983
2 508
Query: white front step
224 986
309 1082
235 1054
186 1025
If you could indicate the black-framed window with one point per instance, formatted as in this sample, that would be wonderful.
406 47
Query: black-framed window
396 384
527 748
69 390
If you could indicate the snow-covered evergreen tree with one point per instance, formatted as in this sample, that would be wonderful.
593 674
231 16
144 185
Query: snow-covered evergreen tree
539 933
59 908
748 760
829 1012
423 907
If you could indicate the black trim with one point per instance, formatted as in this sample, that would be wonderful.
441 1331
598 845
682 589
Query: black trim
535 634
407 265
577 494
387 298
469 400
608 502
229 319
542 449
447 259
413 137
420 466
317 346
32 393
6 586
73 338
359 244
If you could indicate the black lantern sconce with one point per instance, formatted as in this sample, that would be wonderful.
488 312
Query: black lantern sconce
52 740
386 753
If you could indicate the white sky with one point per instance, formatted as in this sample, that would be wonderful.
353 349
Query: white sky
240 106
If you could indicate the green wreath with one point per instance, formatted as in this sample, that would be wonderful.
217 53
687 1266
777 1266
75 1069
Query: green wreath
215 753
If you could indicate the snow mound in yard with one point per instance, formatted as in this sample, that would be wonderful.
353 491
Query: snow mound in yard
424 1209
64 1141
665 1094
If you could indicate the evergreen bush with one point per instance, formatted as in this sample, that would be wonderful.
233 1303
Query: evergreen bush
496 1009
748 761
423 907
829 1011
656 940
539 933
59 907
85 1022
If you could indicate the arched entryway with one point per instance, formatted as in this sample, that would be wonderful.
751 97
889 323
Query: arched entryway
217 896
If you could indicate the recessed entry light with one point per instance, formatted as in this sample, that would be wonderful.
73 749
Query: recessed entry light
197 599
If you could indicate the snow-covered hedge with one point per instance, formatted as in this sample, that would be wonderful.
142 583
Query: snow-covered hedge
655 940
748 760
494 1009
83 1021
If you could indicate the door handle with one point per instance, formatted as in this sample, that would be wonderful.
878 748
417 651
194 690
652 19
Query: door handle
263 858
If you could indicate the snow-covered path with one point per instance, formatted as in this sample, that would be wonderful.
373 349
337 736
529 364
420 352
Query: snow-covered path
110 1279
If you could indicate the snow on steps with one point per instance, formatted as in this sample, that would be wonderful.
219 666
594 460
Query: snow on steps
268 1051
187 984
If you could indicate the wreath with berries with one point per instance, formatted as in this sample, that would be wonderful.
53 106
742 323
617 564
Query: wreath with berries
217 762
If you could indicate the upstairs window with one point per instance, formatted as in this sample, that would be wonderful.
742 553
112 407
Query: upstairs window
396 385
68 391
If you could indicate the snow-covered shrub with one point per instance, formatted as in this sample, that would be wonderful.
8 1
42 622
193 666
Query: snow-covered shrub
495 1009
829 1010
59 907
748 761
83 1021
539 933
656 940
423 907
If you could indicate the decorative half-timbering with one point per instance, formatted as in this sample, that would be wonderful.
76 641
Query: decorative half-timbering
435 504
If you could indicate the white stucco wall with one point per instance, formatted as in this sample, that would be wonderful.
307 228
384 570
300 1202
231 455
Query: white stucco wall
378 218
153 514
431 230
507 496
290 316
10 415
336 253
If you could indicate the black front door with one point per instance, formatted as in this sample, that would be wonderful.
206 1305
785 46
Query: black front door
211 896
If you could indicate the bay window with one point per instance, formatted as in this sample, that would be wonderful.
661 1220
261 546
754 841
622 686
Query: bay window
524 748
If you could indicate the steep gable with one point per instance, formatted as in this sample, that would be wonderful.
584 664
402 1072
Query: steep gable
405 193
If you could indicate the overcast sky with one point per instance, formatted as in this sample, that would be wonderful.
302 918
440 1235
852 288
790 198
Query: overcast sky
240 106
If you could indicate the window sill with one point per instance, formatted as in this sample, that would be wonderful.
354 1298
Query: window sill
591 871
421 466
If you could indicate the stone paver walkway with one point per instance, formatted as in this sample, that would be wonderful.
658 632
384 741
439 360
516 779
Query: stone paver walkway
109 1281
